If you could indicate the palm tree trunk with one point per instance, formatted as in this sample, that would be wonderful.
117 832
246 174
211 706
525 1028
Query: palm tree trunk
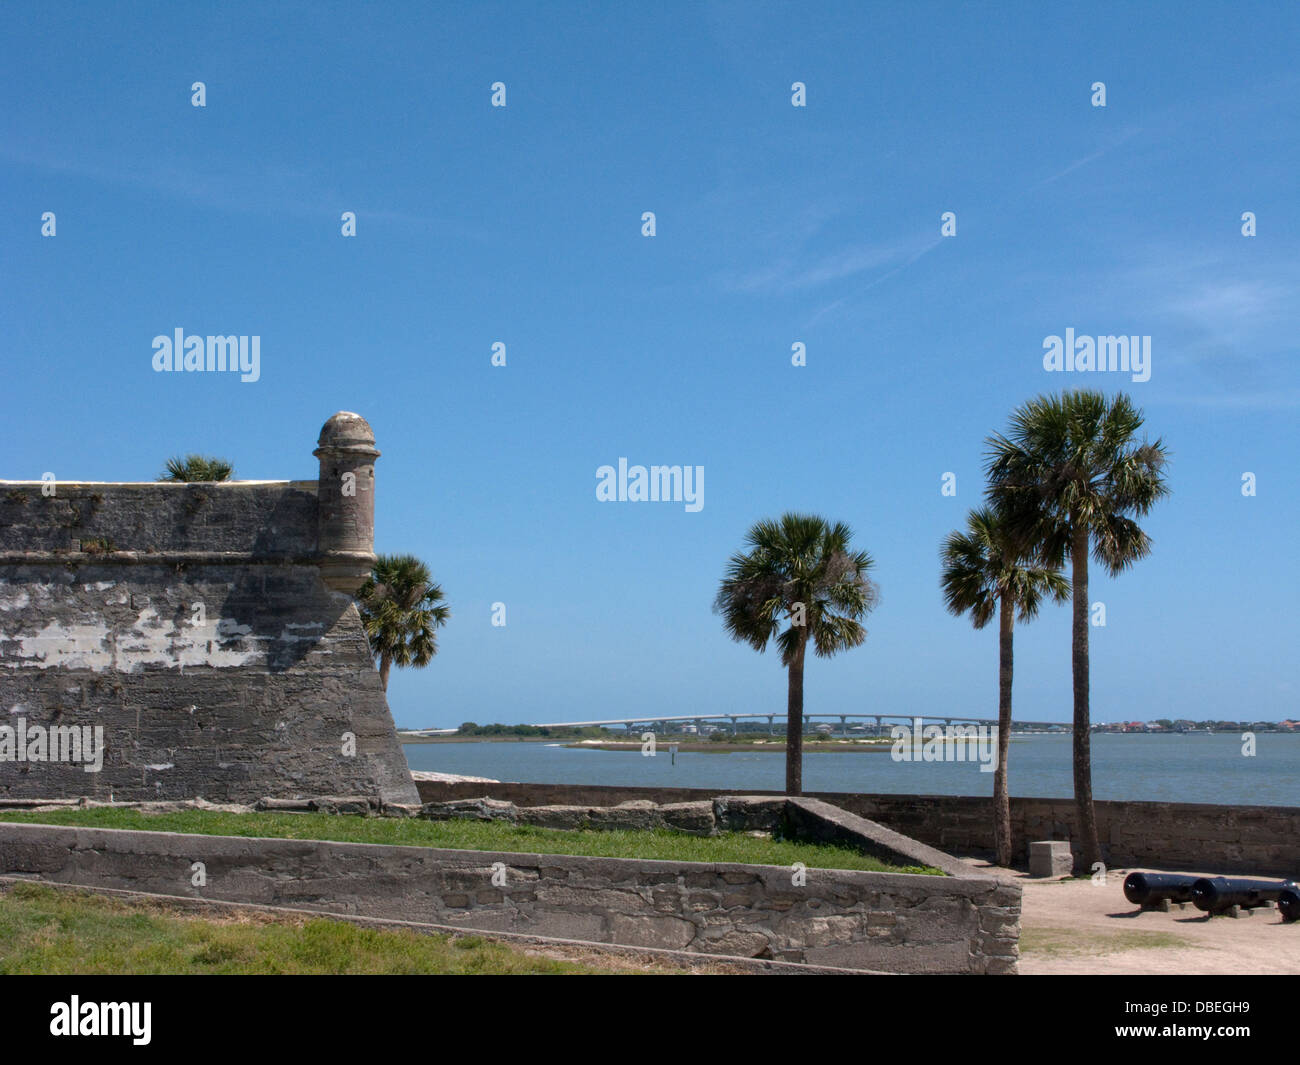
1087 818
385 664
1001 795
794 724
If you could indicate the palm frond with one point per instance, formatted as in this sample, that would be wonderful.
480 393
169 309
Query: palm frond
797 562
402 609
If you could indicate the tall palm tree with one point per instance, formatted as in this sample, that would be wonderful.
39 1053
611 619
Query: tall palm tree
401 609
984 573
1071 474
197 468
800 569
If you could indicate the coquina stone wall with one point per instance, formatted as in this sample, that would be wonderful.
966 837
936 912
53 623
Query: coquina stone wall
1264 840
871 921
204 633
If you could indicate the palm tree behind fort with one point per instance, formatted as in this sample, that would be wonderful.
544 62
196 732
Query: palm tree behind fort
799 569
1069 474
984 575
197 468
402 609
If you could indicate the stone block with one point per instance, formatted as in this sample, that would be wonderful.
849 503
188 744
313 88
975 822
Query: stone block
746 813
695 818
1050 857
469 809
673 933
565 817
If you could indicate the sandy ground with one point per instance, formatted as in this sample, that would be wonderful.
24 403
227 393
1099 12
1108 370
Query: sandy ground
1076 926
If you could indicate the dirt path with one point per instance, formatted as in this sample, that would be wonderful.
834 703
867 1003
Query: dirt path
1075 926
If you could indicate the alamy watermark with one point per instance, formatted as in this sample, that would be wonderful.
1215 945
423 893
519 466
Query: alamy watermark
58 743
658 484
919 742
1071 354
239 354
77 1018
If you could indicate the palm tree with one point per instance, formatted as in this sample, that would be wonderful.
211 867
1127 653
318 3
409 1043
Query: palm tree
197 468
401 609
983 574
1071 474
799 568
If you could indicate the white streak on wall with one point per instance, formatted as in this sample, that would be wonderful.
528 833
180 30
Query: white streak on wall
150 641
65 646
15 602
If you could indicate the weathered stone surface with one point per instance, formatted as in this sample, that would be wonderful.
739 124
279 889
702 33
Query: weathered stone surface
1050 858
482 809
293 806
329 804
569 817
639 815
871 921
818 820
742 944
673 933
344 804
747 813
693 817
203 629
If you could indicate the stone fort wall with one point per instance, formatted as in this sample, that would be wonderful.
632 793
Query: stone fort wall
205 631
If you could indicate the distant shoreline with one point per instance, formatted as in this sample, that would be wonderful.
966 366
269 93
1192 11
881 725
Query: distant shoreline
724 748
845 745
406 737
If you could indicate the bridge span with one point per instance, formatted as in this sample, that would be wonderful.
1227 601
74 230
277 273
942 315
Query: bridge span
662 720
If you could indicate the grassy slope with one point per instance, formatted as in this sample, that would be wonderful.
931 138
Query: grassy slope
47 931
478 835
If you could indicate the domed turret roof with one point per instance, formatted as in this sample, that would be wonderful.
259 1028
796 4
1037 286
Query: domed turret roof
346 430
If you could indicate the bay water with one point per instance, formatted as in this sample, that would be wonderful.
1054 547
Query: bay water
1189 767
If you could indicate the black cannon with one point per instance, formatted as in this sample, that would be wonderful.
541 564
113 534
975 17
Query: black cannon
1288 903
1215 894
1151 889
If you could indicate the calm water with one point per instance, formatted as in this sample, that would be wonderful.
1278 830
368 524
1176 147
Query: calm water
1206 767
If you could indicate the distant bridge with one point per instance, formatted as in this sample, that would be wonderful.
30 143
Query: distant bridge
697 719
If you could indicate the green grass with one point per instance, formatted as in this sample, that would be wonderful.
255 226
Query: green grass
45 931
661 844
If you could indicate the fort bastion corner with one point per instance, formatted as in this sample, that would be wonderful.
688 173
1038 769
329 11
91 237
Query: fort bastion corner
165 640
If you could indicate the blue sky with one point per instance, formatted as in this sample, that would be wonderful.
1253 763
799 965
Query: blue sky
775 224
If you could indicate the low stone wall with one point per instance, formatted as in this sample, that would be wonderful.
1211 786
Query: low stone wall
1229 839
868 921
792 818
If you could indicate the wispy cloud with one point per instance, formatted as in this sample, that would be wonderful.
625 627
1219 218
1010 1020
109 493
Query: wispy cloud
1091 157
802 270
1222 324
1230 305
1217 303
265 190
907 261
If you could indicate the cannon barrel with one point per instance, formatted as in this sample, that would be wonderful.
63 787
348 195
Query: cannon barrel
1220 892
1288 903
1144 889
